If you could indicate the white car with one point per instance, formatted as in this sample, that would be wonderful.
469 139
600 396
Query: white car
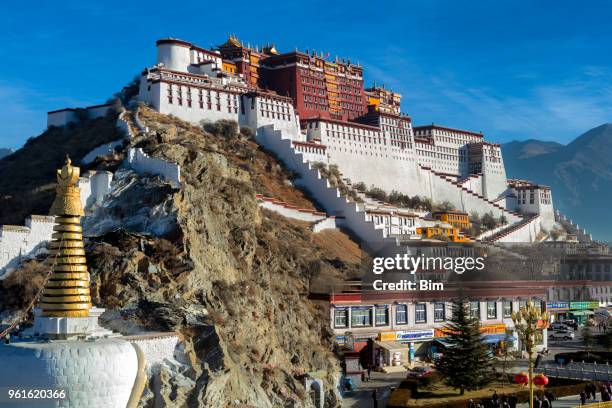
562 335
559 326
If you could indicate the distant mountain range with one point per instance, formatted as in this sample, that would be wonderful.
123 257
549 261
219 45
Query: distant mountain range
5 152
579 173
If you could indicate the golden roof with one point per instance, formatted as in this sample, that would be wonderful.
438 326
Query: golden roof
233 40
271 50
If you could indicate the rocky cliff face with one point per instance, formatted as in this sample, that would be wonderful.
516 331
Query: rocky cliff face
205 260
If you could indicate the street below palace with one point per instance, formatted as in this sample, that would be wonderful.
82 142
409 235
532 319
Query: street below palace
362 396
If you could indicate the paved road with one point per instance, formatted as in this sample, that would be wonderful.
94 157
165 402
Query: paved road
565 402
362 397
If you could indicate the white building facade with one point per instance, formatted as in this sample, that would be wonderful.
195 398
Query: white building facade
380 149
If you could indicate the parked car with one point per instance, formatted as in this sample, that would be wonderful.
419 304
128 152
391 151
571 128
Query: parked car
562 335
559 326
419 372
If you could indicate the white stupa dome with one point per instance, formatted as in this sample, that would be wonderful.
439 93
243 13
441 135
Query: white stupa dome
96 373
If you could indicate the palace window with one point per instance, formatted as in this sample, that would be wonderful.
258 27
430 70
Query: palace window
439 312
361 316
401 314
420 313
382 315
475 310
492 310
341 317
507 308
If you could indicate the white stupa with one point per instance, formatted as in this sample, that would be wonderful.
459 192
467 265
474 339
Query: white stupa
66 359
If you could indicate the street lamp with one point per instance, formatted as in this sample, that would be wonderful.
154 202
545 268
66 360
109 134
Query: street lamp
526 322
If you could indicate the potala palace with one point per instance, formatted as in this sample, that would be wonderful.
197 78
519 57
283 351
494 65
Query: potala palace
307 108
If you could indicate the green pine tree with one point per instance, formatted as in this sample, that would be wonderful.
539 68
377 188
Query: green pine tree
466 364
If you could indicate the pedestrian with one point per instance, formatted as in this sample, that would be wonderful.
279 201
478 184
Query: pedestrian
609 388
369 371
594 391
375 398
471 404
549 395
536 402
512 401
583 397
545 402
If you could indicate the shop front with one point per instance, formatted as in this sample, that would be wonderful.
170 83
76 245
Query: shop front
400 348
558 310
496 336
583 310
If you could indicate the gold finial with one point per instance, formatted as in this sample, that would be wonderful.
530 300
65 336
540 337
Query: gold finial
66 293
68 195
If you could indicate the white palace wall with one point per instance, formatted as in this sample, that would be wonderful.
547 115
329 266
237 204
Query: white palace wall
362 154
144 164
17 241
326 195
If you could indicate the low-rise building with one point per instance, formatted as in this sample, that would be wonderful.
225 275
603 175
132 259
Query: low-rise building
387 327
457 219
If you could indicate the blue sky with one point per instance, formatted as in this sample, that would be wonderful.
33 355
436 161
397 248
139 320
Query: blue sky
512 69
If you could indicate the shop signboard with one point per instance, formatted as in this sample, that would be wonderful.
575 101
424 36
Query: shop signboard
589 304
488 329
415 334
493 329
557 305
406 335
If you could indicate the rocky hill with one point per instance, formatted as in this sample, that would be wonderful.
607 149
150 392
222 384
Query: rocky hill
5 152
27 175
206 261
580 174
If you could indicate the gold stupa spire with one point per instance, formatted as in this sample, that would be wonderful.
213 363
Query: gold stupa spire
66 293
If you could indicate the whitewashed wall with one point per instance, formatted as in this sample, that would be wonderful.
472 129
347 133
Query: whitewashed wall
94 374
525 233
144 164
290 211
156 348
326 195
17 242
102 150
326 224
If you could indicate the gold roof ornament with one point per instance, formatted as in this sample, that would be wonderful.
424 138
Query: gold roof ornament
233 40
68 195
66 293
271 50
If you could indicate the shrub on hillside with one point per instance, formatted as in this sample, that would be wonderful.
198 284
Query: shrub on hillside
377 193
360 187
225 128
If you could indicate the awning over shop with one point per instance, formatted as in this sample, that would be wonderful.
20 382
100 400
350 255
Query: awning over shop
392 345
442 342
487 338
581 312
497 338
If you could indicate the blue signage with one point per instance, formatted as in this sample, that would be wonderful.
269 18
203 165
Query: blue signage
415 335
557 305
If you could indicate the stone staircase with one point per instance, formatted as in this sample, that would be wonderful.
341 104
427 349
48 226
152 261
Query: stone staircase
482 202
327 196
512 229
